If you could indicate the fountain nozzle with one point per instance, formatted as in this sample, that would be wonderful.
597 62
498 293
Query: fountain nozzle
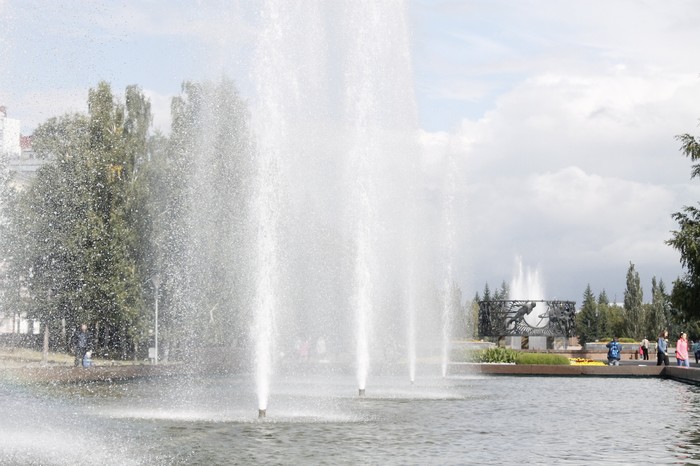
262 413
362 393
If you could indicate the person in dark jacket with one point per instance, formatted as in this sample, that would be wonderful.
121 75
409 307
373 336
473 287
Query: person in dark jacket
614 351
81 342
662 349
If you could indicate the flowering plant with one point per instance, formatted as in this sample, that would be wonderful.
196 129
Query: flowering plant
585 362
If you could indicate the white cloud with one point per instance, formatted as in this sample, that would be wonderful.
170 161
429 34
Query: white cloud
35 107
160 109
578 172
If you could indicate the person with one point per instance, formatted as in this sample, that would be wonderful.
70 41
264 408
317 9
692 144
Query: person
682 350
696 351
81 341
614 350
645 349
662 349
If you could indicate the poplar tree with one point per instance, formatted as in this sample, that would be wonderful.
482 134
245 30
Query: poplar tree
200 201
634 315
658 315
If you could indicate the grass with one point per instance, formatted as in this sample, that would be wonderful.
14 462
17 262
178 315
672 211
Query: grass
14 357
21 357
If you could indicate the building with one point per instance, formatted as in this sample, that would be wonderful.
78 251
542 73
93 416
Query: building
22 167
9 135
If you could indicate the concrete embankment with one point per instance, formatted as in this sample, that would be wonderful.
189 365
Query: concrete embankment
107 374
680 374
551 370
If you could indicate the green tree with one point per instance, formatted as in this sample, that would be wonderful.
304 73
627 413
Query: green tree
614 320
587 320
45 258
634 312
200 200
685 296
503 292
604 325
658 312
487 293
75 246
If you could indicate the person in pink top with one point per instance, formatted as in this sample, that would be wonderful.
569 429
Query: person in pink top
682 350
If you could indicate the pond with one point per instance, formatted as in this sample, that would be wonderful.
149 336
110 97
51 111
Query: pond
317 420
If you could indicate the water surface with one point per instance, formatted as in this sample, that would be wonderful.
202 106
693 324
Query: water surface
317 420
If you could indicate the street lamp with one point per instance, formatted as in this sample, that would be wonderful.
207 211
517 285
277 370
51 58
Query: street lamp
156 283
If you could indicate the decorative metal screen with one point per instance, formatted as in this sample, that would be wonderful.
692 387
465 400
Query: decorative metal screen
527 318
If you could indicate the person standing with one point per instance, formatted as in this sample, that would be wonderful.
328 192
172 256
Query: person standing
81 341
682 350
614 351
662 349
696 350
645 349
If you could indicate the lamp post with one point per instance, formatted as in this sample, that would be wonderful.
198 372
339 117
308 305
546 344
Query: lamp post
156 283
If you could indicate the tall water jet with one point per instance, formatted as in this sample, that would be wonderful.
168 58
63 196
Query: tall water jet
335 123
271 131
527 285
526 282
448 284
411 330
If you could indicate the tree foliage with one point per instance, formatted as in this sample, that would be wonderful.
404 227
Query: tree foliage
634 312
73 247
685 296
587 320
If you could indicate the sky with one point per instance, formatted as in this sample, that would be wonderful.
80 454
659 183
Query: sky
558 118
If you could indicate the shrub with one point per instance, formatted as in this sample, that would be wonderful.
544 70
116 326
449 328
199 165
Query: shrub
495 355
510 356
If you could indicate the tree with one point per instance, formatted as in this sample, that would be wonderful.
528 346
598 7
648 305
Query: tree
604 325
587 320
75 246
487 293
45 248
200 201
503 292
685 296
613 318
658 313
634 314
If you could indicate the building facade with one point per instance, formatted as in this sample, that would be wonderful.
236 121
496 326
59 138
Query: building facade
9 135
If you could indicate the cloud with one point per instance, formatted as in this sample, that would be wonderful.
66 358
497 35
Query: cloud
578 172
579 227
35 107
615 122
160 109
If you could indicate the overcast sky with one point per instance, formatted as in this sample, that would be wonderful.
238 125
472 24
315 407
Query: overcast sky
558 117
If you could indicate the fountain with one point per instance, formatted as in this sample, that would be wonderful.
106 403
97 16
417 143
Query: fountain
526 284
525 314
334 123
312 235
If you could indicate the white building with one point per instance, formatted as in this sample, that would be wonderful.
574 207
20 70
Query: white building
23 166
9 135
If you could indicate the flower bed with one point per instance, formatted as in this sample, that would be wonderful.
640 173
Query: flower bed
585 362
